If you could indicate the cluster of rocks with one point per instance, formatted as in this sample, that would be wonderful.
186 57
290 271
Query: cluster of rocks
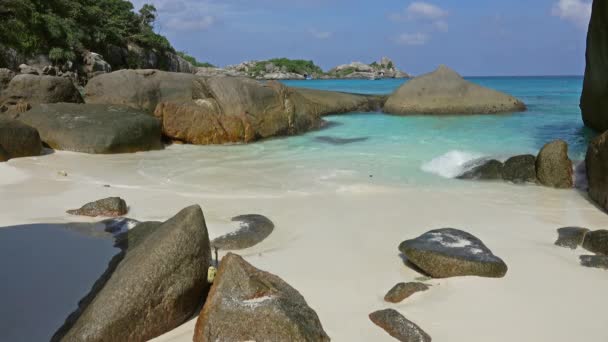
593 241
159 281
439 253
551 167
385 68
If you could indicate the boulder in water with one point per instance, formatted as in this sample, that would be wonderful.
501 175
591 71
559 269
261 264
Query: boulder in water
450 252
520 169
489 170
445 92
553 167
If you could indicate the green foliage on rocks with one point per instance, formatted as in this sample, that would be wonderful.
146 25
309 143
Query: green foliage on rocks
193 60
297 66
63 29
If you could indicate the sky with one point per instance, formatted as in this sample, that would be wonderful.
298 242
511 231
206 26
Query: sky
475 37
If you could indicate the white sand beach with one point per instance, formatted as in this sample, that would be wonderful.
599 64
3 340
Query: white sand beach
336 242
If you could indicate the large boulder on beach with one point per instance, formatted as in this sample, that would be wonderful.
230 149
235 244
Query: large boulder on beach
254 229
157 283
247 304
596 163
100 129
594 99
34 89
141 89
444 91
571 237
553 166
520 169
450 252
399 327
18 140
323 102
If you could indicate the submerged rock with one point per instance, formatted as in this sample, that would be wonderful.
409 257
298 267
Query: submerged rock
18 140
339 141
398 326
490 170
596 242
247 304
110 207
254 229
449 252
445 92
402 291
89 128
520 169
553 167
596 162
156 284
594 99
594 261
571 237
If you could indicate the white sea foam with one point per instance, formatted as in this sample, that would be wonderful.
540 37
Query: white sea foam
451 164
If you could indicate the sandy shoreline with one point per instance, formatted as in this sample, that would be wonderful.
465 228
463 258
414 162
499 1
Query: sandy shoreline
338 244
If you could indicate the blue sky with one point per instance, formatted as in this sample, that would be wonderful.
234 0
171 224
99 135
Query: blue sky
475 37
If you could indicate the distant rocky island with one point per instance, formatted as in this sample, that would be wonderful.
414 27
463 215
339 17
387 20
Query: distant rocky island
288 69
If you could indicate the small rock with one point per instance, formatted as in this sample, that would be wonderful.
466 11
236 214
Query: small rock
450 252
26 69
597 242
553 167
490 170
254 229
339 141
62 173
398 326
402 291
595 261
520 169
571 237
110 207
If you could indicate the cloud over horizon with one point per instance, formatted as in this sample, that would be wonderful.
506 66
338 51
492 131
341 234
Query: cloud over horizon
575 11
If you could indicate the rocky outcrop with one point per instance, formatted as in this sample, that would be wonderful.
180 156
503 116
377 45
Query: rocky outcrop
402 291
594 99
445 92
398 326
218 72
596 162
100 129
156 284
553 166
385 68
520 169
29 90
6 75
254 229
18 140
449 252
571 237
94 64
247 304
109 207
217 110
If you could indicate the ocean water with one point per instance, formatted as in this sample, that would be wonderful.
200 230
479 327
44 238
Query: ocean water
385 149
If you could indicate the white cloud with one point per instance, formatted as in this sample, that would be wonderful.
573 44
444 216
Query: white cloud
441 25
418 38
576 11
191 24
425 10
320 34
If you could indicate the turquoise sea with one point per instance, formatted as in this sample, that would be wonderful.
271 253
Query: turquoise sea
412 150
